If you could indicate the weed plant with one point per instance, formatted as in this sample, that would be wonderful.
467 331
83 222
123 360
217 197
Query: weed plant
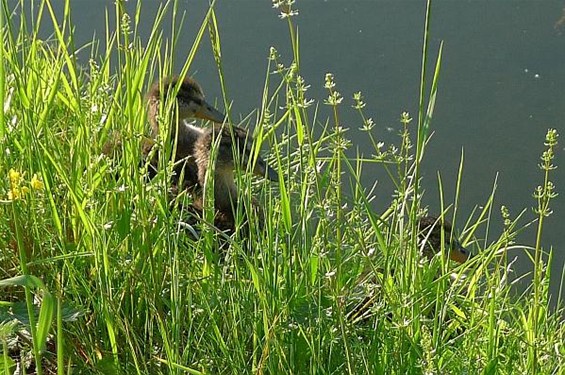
99 274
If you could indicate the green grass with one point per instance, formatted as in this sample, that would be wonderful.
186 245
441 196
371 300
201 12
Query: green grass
99 277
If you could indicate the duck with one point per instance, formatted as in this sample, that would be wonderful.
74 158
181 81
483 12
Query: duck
430 237
217 153
194 147
430 230
190 104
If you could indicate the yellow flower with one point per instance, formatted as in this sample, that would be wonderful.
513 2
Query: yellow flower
17 193
36 183
15 177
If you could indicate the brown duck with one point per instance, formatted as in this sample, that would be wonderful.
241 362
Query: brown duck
190 104
218 151
195 146
430 230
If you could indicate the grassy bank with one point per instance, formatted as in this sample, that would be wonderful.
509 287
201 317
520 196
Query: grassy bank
98 274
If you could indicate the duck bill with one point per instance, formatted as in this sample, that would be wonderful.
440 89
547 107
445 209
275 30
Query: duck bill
207 112
264 170
459 254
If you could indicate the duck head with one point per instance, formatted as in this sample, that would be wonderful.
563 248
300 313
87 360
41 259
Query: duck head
190 101
430 233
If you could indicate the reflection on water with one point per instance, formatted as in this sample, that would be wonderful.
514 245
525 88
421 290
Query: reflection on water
560 23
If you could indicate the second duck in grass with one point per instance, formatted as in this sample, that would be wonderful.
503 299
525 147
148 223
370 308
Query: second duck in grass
218 151
430 236
432 231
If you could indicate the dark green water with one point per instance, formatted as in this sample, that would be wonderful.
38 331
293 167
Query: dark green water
502 84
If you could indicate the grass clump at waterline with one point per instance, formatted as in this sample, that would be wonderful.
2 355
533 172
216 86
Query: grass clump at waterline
98 276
